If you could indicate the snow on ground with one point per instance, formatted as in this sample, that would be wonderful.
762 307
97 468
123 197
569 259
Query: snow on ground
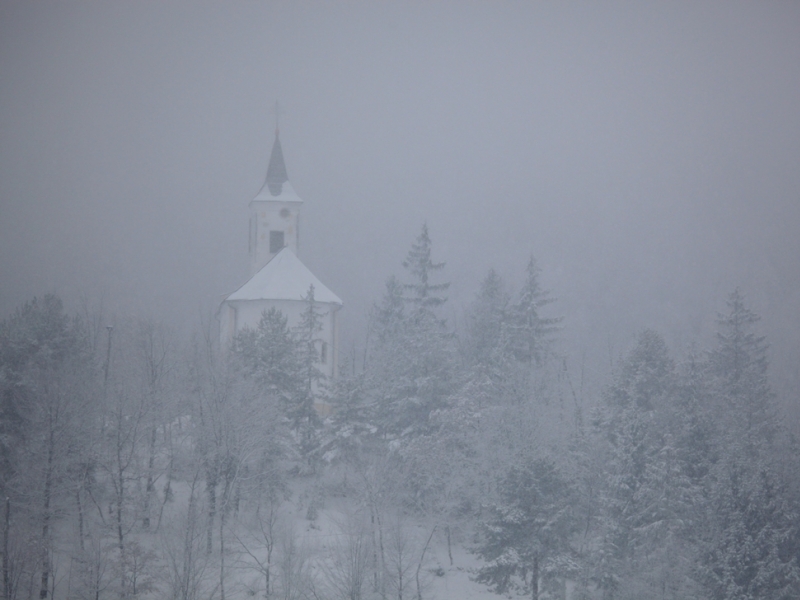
440 580
456 583
320 518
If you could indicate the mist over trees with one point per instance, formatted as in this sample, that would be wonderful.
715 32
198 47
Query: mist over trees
577 380
137 464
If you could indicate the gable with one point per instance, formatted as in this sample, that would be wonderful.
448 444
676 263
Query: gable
284 278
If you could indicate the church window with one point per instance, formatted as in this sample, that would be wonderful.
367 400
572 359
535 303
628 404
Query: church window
323 353
285 213
275 241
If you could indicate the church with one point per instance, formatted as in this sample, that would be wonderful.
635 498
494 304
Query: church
277 276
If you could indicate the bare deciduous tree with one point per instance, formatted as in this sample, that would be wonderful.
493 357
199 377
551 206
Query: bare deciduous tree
187 565
296 581
347 568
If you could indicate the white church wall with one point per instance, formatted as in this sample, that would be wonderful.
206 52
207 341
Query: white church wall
236 315
266 217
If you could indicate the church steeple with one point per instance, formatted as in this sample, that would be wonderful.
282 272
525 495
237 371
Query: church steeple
276 171
278 279
274 213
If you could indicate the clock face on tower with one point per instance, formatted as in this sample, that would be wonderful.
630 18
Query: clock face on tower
285 213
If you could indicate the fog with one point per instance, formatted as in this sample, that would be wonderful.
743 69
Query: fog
647 155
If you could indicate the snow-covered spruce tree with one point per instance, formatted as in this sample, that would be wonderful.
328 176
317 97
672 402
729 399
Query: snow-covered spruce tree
531 333
645 497
358 395
486 331
490 366
422 293
752 543
444 465
269 354
303 412
525 538
351 418
284 362
504 344
410 369
389 316
38 336
695 422
511 362
739 365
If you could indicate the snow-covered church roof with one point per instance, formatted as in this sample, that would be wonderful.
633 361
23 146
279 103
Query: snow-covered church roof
284 278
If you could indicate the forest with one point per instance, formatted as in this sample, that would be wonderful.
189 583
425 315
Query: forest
138 464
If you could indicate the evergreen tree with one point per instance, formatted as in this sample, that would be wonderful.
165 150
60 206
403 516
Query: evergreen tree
410 369
486 337
753 546
304 413
270 354
696 425
645 496
530 332
284 362
351 418
739 363
525 539
422 292
484 346
645 378
752 542
389 316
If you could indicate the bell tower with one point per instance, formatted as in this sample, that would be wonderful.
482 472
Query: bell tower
278 279
274 213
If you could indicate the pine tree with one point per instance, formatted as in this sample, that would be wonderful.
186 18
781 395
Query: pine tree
696 426
752 540
422 292
645 497
528 530
645 379
351 416
411 366
486 341
304 414
484 346
752 552
270 354
739 363
530 332
389 316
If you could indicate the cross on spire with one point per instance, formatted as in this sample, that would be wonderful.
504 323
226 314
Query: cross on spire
277 110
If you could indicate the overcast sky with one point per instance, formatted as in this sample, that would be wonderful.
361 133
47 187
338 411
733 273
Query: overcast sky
648 154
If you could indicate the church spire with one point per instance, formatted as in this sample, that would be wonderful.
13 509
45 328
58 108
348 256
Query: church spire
274 213
276 171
